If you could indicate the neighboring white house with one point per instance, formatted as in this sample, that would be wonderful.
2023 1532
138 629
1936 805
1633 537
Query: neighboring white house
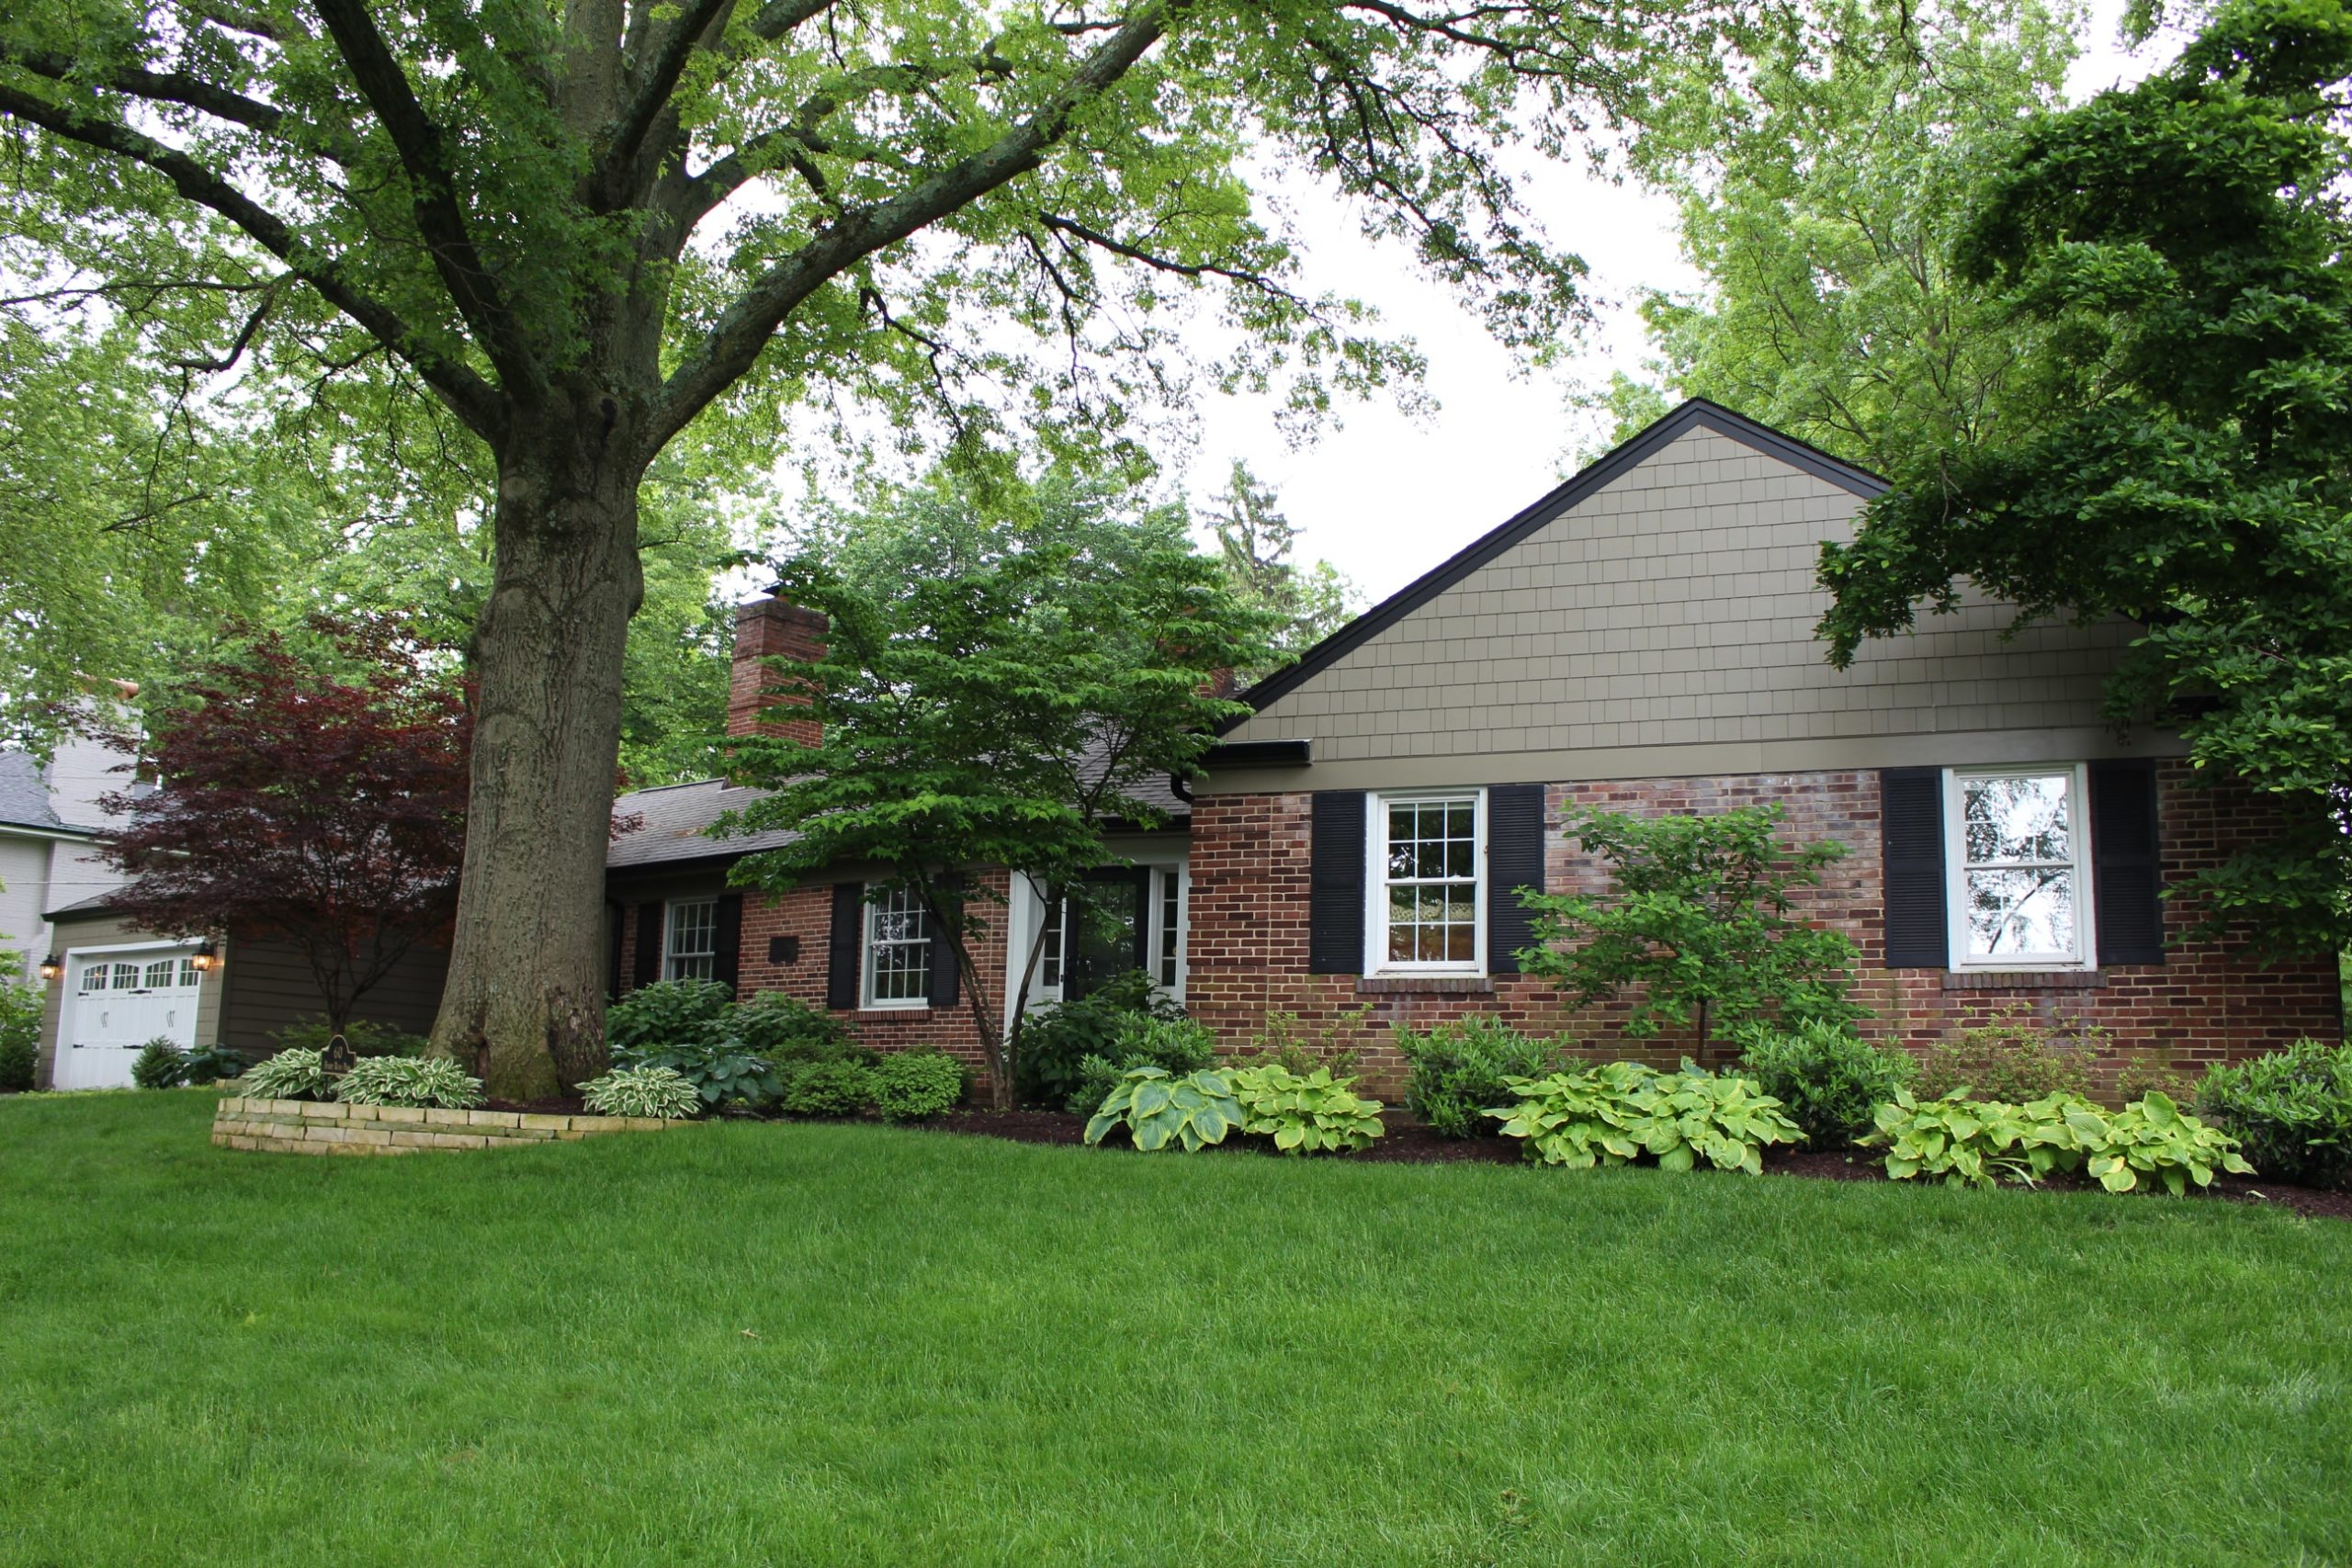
50 822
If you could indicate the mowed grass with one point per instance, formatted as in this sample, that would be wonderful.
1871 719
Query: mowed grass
822 1344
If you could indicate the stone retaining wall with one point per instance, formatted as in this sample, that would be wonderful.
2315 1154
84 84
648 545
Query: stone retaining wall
318 1127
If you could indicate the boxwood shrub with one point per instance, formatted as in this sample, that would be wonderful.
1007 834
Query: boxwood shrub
1829 1080
1459 1069
2292 1110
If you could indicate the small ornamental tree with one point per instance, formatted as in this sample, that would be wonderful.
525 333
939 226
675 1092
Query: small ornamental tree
313 796
1001 710
1698 915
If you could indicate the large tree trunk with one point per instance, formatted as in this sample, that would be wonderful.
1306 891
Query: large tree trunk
524 1001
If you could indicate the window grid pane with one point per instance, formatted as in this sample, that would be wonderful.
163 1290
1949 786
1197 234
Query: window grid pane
1433 879
692 942
1170 913
898 949
2019 865
189 974
1049 965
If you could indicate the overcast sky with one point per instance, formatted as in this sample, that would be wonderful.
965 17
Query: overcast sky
1384 497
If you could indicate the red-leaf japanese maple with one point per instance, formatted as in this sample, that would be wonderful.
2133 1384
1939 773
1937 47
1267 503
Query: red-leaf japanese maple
313 796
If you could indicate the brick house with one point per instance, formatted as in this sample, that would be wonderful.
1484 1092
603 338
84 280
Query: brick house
1642 640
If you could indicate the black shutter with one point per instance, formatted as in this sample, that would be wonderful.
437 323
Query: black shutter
726 940
1911 825
1335 883
844 976
649 943
945 982
2127 869
1143 922
1514 860
615 921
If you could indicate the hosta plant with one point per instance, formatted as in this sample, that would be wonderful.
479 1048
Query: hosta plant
290 1075
1980 1143
1162 1113
2155 1140
1612 1113
1305 1112
210 1063
720 1069
409 1080
641 1092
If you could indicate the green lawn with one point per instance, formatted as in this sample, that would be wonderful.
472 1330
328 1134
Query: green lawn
745 1344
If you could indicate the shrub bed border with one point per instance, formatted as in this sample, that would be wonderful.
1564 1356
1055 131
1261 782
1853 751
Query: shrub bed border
329 1127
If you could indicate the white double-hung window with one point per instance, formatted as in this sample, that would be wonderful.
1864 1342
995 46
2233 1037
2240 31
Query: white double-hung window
690 940
1426 905
897 951
2019 875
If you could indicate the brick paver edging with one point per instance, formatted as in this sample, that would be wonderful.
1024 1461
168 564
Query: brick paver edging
324 1127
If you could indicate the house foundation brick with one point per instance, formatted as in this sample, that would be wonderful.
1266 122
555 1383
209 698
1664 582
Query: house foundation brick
2208 1002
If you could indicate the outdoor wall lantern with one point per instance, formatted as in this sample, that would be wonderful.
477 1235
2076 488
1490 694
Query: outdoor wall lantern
207 958
52 967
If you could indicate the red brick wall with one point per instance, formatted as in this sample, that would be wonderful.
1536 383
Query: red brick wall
771 629
808 913
1250 928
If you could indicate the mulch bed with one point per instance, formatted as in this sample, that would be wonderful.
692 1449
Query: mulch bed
1411 1142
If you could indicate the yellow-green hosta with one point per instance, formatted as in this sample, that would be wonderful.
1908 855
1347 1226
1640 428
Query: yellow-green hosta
1981 1143
1305 1112
1619 1110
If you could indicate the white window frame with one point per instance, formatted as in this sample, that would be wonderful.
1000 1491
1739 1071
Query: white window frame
672 956
1377 882
869 949
2078 824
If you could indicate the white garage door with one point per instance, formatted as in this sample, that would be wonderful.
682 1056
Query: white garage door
117 1001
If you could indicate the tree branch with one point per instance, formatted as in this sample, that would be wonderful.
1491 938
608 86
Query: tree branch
700 18
734 343
471 287
162 87
474 399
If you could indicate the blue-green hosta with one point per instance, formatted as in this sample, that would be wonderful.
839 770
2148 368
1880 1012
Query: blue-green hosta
409 1080
1162 1113
1303 1112
1981 1143
642 1091
1616 1112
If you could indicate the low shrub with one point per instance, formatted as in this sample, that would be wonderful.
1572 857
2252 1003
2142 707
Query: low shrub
161 1064
2011 1059
20 1012
720 1069
668 1012
1055 1041
1305 1112
2139 1076
1175 1045
641 1092
293 1074
409 1080
1458 1070
1283 1040
1980 1143
914 1086
210 1063
783 1028
1829 1080
1160 1111
365 1036
825 1089
1611 1114
2292 1109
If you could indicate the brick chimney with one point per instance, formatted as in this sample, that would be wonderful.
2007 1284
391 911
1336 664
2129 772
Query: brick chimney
769 629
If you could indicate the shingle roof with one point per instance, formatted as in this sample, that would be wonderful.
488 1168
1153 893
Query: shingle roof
24 794
675 817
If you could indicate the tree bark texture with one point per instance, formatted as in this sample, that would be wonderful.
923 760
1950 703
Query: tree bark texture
525 1000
